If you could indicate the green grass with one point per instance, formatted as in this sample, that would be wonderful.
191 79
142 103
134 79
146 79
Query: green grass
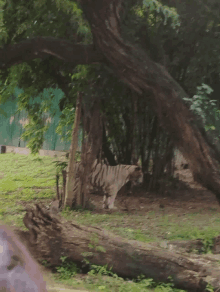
25 180
152 227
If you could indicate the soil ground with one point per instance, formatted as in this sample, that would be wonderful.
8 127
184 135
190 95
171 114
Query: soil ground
187 195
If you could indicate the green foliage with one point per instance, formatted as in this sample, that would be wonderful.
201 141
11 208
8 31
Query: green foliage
34 134
65 126
173 36
67 270
100 270
40 18
164 12
60 165
112 282
209 288
3 33
177 38
45 263
35 129
201 104
149 283
208 243
206 109
44 18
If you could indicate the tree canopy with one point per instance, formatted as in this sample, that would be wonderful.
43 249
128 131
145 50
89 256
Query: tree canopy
160 50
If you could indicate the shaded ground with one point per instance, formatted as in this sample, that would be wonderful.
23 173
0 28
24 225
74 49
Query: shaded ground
186 196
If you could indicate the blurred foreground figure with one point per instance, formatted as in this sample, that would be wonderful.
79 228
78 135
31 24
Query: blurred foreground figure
18 271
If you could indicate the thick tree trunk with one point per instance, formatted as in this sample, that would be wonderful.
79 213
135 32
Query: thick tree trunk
70 174
154 82
91 147
128 258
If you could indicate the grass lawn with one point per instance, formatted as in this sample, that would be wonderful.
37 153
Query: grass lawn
25 180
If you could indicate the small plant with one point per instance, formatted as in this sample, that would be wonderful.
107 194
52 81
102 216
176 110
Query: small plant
145 283
207 245
209 288
101 270
45 263
67 270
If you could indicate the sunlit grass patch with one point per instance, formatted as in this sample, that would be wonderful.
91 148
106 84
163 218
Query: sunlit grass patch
24 179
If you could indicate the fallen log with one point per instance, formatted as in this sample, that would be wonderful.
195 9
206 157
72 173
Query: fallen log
54 237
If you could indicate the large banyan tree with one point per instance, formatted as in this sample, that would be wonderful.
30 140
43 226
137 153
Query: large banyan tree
153 83
130 63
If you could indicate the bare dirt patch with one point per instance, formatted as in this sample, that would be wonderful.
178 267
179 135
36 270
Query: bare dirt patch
187 196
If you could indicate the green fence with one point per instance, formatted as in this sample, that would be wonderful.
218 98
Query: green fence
11 126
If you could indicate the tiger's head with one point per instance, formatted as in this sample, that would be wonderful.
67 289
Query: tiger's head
136 176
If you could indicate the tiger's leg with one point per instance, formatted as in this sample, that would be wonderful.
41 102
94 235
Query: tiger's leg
111 198
106 199
104 206
107 191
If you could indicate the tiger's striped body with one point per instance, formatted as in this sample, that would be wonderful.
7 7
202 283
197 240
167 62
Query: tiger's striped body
111 179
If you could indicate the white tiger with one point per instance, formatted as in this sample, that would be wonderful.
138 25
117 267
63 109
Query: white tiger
111 179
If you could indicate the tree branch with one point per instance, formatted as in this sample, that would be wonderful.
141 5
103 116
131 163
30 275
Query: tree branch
41 47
